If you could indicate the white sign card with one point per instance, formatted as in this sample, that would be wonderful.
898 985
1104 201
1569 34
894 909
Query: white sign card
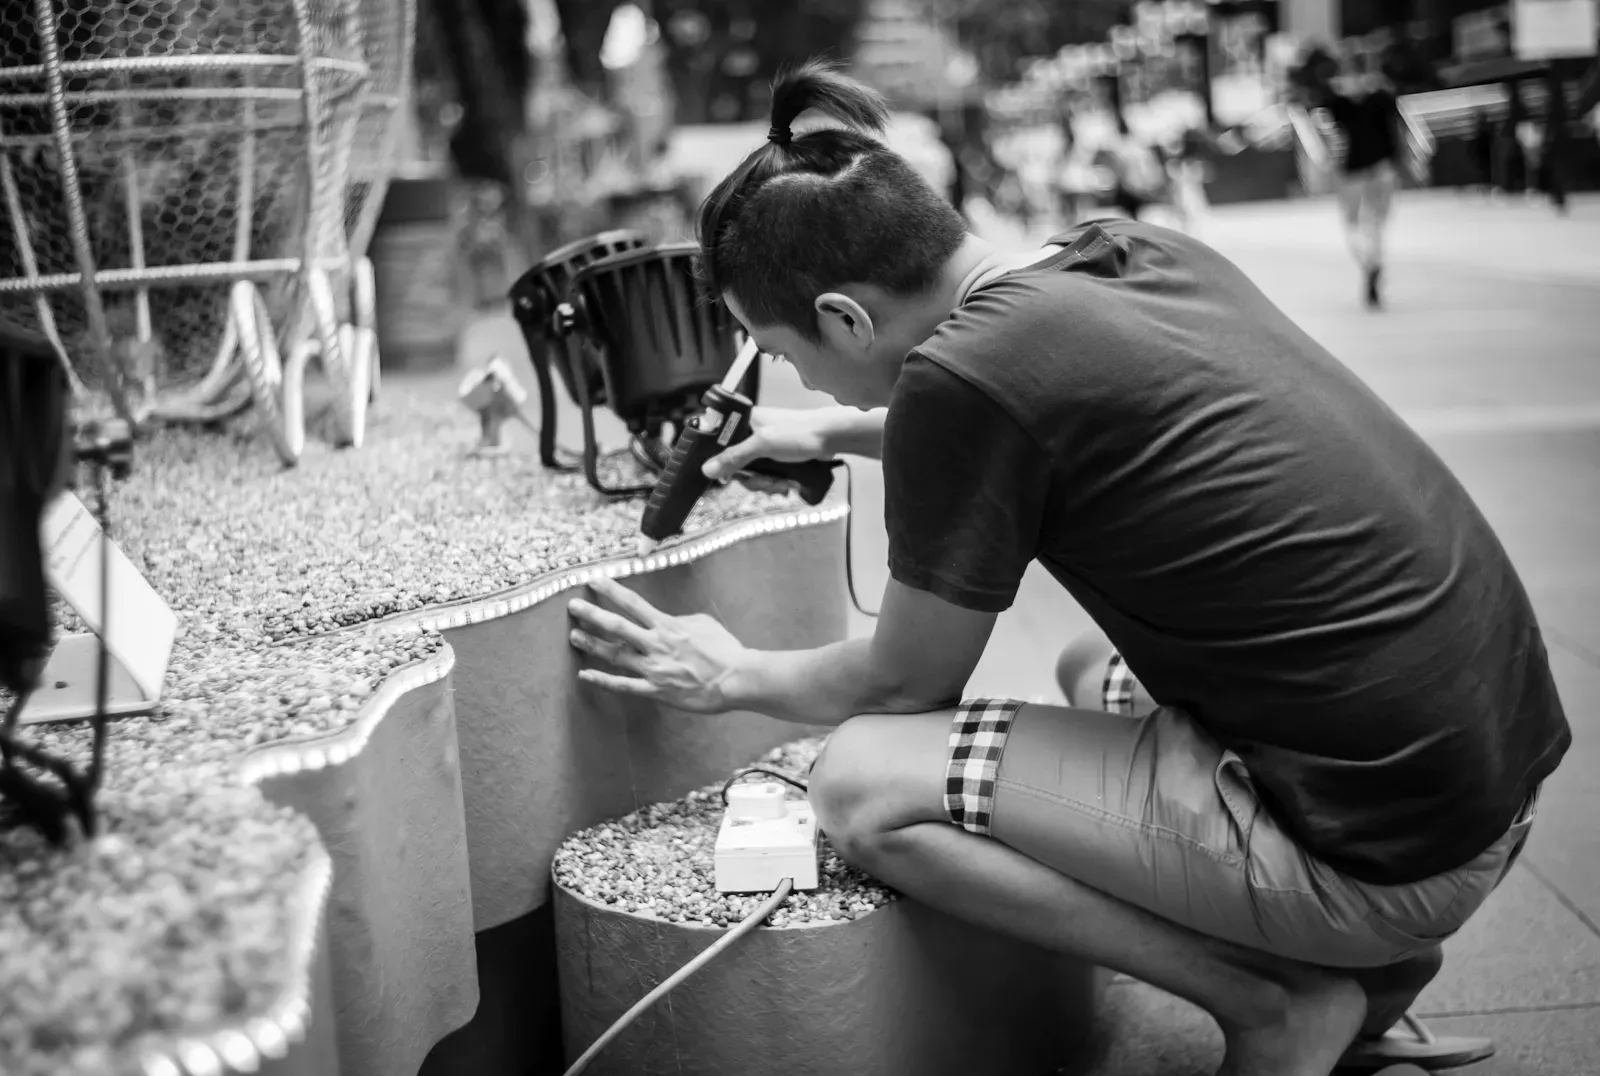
143 627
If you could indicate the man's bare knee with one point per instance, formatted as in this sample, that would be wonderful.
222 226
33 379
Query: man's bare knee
1081 668
841 786
877 774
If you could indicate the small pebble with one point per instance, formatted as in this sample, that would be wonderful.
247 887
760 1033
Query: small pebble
658 863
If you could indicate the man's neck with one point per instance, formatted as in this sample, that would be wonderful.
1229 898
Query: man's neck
973 261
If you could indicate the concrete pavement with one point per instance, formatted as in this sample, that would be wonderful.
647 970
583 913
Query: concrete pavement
1490 346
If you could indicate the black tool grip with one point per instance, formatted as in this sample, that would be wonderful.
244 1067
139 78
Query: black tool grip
813 478
682 482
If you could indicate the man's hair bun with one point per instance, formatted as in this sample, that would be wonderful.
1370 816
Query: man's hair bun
819 85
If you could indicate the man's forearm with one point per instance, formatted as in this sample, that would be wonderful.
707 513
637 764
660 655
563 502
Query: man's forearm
856 433
825 686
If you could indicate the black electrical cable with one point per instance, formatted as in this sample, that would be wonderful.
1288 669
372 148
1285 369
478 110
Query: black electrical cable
849 540
677 978
748 770
102 677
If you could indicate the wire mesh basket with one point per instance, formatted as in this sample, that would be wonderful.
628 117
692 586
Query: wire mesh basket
187 192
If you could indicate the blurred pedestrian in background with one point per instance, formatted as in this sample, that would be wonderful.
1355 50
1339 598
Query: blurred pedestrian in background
1363 105
1513 157
1189 166
1553 148
1485 153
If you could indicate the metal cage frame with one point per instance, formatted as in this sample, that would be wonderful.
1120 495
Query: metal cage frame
332 318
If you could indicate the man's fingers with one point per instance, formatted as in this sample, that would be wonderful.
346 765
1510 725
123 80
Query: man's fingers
603 622
610 653
626 600
622 685
730 461
763 483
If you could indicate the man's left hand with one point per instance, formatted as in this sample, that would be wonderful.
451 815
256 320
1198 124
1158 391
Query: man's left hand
680 661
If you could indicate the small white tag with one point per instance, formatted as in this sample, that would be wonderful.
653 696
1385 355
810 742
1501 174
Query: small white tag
143 626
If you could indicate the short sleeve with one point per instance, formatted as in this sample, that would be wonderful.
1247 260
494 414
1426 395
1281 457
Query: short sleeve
965 489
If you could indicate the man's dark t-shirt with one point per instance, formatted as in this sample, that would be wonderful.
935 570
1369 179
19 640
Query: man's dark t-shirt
1370 125
1269 546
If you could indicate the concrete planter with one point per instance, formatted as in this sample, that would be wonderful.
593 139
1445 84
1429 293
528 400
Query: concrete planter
899 990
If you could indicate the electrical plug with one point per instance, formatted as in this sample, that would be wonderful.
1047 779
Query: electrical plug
765 838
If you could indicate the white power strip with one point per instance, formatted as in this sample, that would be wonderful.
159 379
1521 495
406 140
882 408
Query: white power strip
765 838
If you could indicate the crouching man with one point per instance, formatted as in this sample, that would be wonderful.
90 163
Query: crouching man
1310 741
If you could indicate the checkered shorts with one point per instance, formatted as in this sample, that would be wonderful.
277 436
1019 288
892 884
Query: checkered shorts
977 738
1116 694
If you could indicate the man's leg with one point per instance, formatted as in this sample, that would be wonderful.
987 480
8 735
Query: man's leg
1350 201
1382 188
1082 672
879 792
1082 669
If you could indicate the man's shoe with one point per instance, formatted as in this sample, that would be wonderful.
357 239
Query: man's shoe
1411 1043
1374 297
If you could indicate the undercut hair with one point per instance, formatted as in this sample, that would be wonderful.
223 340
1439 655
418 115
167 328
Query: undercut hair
831 207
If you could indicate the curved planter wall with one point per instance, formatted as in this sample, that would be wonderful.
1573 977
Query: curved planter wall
543 755
899 990
386 800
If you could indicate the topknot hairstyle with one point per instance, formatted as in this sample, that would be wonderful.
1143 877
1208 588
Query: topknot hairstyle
822 209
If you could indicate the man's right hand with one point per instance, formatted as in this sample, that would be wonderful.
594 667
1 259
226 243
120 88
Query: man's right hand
786 435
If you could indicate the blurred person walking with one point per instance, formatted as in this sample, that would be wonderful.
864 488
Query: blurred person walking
1188 168
1512 156
1485 140
1367 112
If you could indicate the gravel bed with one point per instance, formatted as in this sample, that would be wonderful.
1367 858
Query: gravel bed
658 863
250 550
161 925
175 918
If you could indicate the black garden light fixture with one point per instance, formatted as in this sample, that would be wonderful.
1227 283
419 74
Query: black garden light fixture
535 298
634 330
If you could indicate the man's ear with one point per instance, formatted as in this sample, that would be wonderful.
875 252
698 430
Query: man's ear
844 322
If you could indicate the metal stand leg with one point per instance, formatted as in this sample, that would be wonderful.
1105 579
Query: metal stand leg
591 450
540 356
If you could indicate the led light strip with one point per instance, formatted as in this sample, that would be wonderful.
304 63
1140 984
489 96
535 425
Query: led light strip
243 1048
527 595
335 749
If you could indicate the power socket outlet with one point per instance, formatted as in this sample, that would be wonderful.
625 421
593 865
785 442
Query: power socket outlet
765 838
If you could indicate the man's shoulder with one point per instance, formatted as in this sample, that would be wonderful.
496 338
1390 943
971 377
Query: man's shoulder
1063 306
927 387
932 399
1026 308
